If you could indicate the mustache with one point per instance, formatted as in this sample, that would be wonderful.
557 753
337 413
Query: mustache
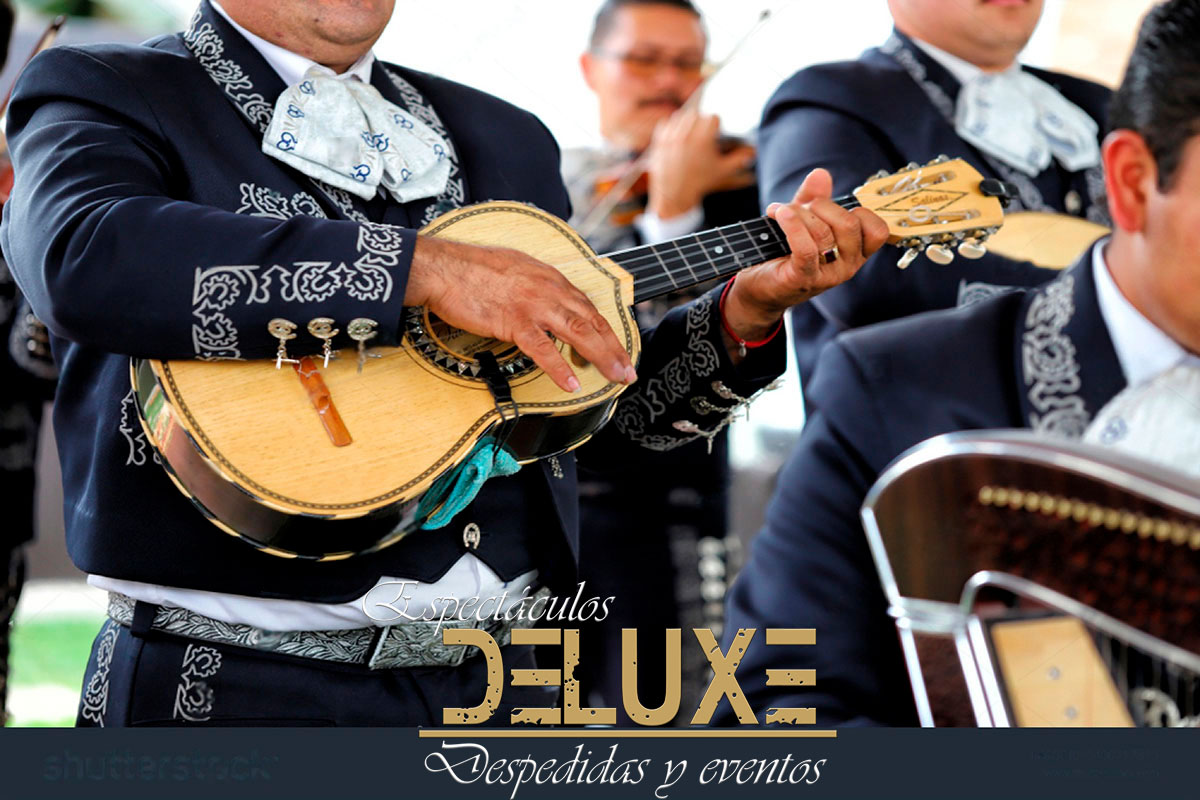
671 98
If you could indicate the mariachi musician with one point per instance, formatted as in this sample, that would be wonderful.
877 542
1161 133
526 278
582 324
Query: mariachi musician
1048 359
150 250
946 82
644 63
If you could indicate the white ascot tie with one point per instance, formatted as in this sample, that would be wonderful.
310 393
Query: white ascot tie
1024 121
344 133
1158 420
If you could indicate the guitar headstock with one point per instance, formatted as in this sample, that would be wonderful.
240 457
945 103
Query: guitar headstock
932 208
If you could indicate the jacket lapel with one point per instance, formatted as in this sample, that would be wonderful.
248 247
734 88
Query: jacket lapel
397 87
1066 366
252 87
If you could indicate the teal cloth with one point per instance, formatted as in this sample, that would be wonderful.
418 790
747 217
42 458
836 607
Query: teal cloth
489 460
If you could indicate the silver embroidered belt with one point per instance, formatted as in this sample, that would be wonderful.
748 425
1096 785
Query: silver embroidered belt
407 644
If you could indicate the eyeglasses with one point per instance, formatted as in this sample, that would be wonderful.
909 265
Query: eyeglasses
647 64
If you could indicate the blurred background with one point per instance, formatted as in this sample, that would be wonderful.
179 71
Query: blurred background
525 51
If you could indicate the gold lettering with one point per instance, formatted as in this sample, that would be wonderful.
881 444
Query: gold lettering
724 665
474 637
791 677
573 713
673 678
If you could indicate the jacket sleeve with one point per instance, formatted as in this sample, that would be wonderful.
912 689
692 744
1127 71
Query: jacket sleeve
810 567
687 386
799 134
111 256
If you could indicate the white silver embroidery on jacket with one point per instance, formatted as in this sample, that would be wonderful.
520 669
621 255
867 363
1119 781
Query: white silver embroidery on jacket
95 695
1049 363
216 289
260 201
1029 196
1159 710
454 195
193 696
971 292
637 415
341 198
131 428
207 46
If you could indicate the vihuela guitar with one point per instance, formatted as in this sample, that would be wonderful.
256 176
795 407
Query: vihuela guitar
366 456
1049 240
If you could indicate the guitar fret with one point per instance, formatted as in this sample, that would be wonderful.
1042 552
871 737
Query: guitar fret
684 256
753 241
733 253
705 249
666 269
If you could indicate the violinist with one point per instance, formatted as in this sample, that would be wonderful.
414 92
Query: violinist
645 63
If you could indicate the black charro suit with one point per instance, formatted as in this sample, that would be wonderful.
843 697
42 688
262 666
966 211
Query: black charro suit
883 110
146 221
1040 358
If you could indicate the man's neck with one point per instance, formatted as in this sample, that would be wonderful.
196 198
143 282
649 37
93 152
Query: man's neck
291 66
963 56
263 41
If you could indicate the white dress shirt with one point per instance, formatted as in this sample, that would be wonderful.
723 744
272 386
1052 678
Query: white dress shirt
1144 350
469 577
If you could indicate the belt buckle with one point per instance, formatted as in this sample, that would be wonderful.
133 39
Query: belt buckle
424 649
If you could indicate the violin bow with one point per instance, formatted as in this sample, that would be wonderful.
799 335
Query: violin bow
608 201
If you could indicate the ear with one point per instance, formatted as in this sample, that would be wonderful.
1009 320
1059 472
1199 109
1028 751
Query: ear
1130 177
587 65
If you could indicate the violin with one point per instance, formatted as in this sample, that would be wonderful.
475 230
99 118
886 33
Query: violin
621 193
628 203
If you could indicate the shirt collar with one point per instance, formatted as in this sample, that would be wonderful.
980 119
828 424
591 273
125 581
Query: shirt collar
1144 350
293 66
963 71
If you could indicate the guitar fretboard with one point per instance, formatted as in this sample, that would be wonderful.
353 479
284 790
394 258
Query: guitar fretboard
669 266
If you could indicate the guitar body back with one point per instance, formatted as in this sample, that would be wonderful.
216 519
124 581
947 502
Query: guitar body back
1053 241
246 442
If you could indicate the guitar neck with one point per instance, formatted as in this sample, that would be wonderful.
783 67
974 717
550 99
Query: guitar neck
666 267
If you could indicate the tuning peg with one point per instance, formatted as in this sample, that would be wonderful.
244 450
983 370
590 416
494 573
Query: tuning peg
939 254
912 165
909 257
972 249
883 173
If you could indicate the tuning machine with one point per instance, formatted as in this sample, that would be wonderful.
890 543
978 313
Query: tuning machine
941 159
972 249
939 254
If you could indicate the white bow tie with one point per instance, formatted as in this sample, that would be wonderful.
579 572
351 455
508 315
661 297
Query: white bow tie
1024 122
343 132
1158 420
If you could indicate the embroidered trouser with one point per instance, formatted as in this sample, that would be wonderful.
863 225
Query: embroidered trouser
142 677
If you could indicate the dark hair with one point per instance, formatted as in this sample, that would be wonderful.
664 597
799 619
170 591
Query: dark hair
1160 96
604 17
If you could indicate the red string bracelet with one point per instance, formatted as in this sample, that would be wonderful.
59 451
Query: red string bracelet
742 344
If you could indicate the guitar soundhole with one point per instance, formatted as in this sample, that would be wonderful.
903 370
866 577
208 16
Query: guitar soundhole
455 351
